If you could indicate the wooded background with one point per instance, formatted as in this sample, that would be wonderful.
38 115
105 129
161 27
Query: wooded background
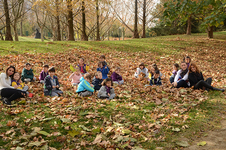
109 19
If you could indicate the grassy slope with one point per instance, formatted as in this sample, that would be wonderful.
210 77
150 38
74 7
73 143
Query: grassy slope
204 116
159 45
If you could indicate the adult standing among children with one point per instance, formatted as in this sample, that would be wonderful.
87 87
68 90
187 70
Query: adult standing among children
181 78
7 92
196 79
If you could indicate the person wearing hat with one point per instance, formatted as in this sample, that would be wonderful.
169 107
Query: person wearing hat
27 74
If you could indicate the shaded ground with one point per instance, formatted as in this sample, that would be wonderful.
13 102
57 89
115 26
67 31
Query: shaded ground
215 140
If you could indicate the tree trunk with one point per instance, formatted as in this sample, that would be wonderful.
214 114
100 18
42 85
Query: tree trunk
84 36
210 32
21 26
70 21
135 32
189 26
8 35
58 21
42 35
98 24
15 30
144 20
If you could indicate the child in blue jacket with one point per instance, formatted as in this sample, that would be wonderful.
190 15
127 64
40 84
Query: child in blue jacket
155 79
103 69
85 89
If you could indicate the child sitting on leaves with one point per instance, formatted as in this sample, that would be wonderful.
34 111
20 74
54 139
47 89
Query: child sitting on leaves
82 66
27 74
102 58
85 89
44 73
75 77
156 79
97 81
152 72
175 69
140 70
106 91
51 84
116 78
103 69
18 84
187 59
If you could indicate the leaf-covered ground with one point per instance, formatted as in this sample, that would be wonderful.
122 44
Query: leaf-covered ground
141 118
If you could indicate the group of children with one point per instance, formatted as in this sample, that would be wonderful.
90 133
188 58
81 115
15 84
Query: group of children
82 80
101 82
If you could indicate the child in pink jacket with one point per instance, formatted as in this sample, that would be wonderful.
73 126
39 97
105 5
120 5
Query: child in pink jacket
75 77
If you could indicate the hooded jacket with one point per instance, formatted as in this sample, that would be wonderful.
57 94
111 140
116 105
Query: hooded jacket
27 74
116 77
97 83
103 92
84 85
48 85
154 81
104 71
43 75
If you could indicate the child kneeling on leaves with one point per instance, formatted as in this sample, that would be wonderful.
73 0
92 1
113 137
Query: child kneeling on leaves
106 91
85 89
51 84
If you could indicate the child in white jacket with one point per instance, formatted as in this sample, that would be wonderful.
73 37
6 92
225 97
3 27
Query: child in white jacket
140 70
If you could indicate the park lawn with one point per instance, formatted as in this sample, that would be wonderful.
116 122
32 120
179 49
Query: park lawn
139 118
161 45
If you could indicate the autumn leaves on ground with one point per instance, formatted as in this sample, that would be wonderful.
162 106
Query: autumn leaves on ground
140 118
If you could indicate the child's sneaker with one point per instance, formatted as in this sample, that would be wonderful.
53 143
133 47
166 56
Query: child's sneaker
6 101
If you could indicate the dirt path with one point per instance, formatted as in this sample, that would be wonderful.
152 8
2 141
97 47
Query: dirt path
216 140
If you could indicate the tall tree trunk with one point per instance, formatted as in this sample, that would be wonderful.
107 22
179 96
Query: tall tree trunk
42 34
210 32
21 26
144 20
189 26
15 30
58 21
8 35
84 36
70 21
135 32
98 24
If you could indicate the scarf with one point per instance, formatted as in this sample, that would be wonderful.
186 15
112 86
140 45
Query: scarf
108 89
183 73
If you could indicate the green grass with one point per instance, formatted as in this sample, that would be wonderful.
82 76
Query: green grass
160 45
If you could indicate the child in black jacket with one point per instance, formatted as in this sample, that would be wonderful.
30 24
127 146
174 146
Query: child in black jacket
97 81
52 85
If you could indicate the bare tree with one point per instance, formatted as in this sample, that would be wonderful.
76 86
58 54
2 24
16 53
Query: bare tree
84 35
16 12
58 20
8 35
98 23
70 21
135 33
